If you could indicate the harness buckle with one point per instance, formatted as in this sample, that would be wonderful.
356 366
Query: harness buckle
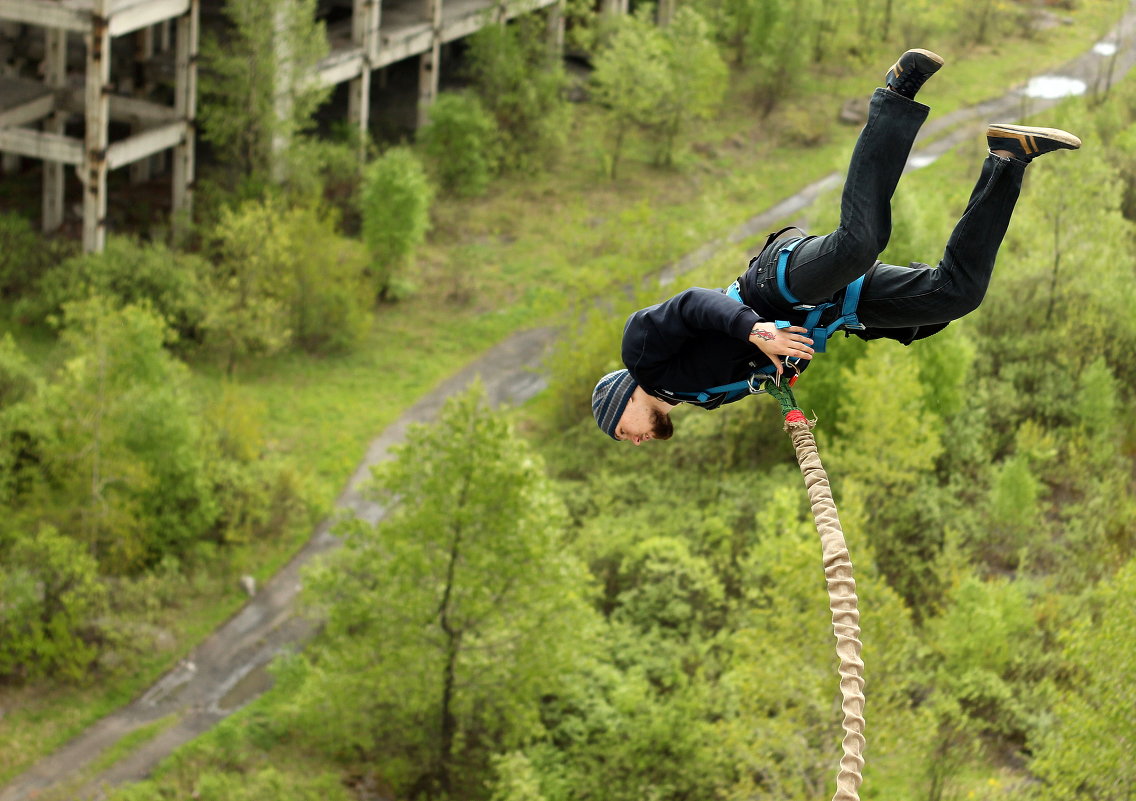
757 380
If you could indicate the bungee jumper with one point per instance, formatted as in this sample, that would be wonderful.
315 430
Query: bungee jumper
708 347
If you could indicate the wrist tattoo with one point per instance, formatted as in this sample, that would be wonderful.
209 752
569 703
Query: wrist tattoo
759 332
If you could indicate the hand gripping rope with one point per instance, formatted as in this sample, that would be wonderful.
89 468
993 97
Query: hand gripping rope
841 590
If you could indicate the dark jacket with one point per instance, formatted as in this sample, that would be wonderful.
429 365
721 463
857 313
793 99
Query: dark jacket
696 340
699 339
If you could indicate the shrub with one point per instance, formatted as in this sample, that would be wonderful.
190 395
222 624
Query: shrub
285 276
24 257
331 301
395 204
460 141
52 596
127 272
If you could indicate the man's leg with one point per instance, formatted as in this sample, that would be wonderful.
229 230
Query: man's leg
897 297
823 265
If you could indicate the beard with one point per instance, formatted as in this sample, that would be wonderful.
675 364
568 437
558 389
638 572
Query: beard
661 426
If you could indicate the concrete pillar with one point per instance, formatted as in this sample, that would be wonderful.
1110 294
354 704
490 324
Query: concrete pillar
55 76
185 103
365 35
97 123
429 64
556 28
142 170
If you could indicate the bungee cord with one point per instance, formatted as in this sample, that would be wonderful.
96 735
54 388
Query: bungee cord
841 591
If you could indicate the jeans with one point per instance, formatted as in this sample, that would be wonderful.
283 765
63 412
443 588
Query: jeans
893 296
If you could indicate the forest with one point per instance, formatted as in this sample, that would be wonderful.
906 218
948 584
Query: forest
542 614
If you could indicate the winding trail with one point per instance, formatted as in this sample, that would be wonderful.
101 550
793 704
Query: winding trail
228 669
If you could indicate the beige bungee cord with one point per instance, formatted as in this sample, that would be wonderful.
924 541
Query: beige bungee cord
841 592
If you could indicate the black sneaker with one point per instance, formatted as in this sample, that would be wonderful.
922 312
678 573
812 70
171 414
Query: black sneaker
1026 143
912 70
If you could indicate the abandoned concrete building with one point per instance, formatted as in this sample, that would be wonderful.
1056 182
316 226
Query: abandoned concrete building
87 83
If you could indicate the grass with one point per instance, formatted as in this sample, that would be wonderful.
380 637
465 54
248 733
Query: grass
522 256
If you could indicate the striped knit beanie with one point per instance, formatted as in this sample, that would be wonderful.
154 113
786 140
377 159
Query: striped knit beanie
609 399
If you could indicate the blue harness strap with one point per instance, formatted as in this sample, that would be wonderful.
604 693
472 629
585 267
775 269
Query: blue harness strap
818 333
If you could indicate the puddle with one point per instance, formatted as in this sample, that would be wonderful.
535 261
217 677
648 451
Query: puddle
1052 87
250 685
1105 48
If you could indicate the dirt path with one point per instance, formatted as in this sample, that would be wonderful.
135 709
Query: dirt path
228 669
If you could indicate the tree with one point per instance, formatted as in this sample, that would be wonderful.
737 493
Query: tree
1086 750
521 82
631 80
52 598
461 141
770 37
658 80
125 441
395 202
887 445
698 79
256 93
447 622
247 312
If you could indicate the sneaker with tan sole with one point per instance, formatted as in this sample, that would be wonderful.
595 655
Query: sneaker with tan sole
914 67
1027 143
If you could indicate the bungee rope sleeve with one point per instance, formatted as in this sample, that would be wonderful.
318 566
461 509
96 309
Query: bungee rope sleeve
841 592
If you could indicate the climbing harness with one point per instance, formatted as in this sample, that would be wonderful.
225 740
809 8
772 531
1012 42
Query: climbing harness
841 593
819 334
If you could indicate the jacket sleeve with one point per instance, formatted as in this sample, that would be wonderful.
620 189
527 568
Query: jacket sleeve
655 334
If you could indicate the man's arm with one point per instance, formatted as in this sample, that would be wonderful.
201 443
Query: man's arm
655 334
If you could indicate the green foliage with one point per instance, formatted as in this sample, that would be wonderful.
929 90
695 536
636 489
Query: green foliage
517 780
255 93
395 203
326 168
460 140
698 80
129 271
247 310
330 302
1085 751
467 585
890 417
631 80
25 255
668 587
284 276
266 781
587 350
17 378
658 80
765 35
52 600
521 83
126 440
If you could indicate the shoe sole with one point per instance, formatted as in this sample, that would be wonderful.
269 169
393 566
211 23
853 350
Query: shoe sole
1029 136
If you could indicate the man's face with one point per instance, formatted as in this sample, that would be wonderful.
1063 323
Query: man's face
640 422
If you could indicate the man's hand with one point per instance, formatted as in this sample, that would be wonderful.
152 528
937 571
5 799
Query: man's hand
775 342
